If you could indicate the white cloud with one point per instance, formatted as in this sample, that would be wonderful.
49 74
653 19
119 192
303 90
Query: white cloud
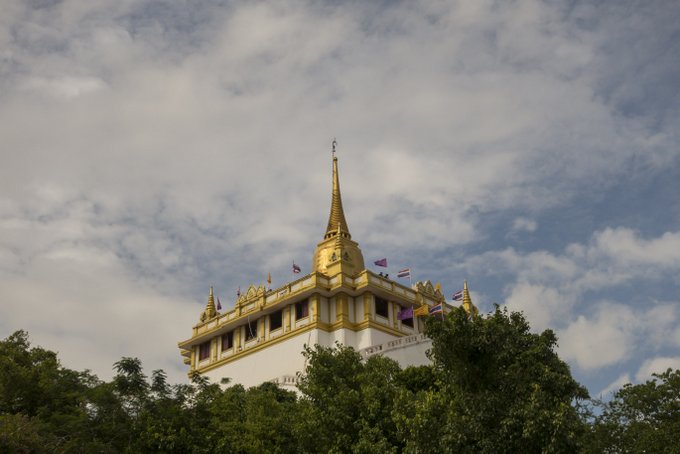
614 386
524 224
614 256
656 365
605 339
625 247
66 86
553 290
611 333
542 306
84 304
676 337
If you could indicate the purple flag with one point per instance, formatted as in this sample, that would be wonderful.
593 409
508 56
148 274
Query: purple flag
219 306
405 314
381 262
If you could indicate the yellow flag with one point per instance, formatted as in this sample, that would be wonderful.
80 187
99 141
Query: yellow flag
422 310
269 278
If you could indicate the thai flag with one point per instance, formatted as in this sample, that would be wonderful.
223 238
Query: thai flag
458 295
406 272
436 309
296 268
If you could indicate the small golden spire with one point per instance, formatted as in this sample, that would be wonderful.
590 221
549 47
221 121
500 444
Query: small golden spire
210 310
467 301
336 220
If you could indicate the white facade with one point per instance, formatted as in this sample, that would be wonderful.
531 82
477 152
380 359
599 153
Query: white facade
282 362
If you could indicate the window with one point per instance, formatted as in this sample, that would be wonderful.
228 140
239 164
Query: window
227 341
204 351
301 309
276 320
408 321
381 307
251 330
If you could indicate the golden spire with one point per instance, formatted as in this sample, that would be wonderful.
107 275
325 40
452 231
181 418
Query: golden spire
336 221
337 252
210 310
467 301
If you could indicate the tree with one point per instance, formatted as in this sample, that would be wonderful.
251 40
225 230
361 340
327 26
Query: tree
22 434
640 418
502 389
348 405
493 387
256 420
45 402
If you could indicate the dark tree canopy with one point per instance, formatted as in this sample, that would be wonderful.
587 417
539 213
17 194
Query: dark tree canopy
503 388
493 387
640 418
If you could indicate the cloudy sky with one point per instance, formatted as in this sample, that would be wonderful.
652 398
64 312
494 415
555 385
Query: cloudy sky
151 149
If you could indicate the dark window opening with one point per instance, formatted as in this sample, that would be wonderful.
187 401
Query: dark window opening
204 351
276 320
251 330
381 307
301 309
227 341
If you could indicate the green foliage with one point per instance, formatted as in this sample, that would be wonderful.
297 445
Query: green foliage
347 404
40 401
22 434
493 387
503 388
256 420
418 378
640 418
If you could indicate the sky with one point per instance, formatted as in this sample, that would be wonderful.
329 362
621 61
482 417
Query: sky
151 149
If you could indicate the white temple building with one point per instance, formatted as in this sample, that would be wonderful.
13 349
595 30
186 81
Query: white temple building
263 336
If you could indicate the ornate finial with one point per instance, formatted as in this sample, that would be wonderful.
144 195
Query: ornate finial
335 143
210 310
336 221
467 301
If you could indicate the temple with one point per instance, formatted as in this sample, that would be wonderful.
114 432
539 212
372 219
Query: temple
340 300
